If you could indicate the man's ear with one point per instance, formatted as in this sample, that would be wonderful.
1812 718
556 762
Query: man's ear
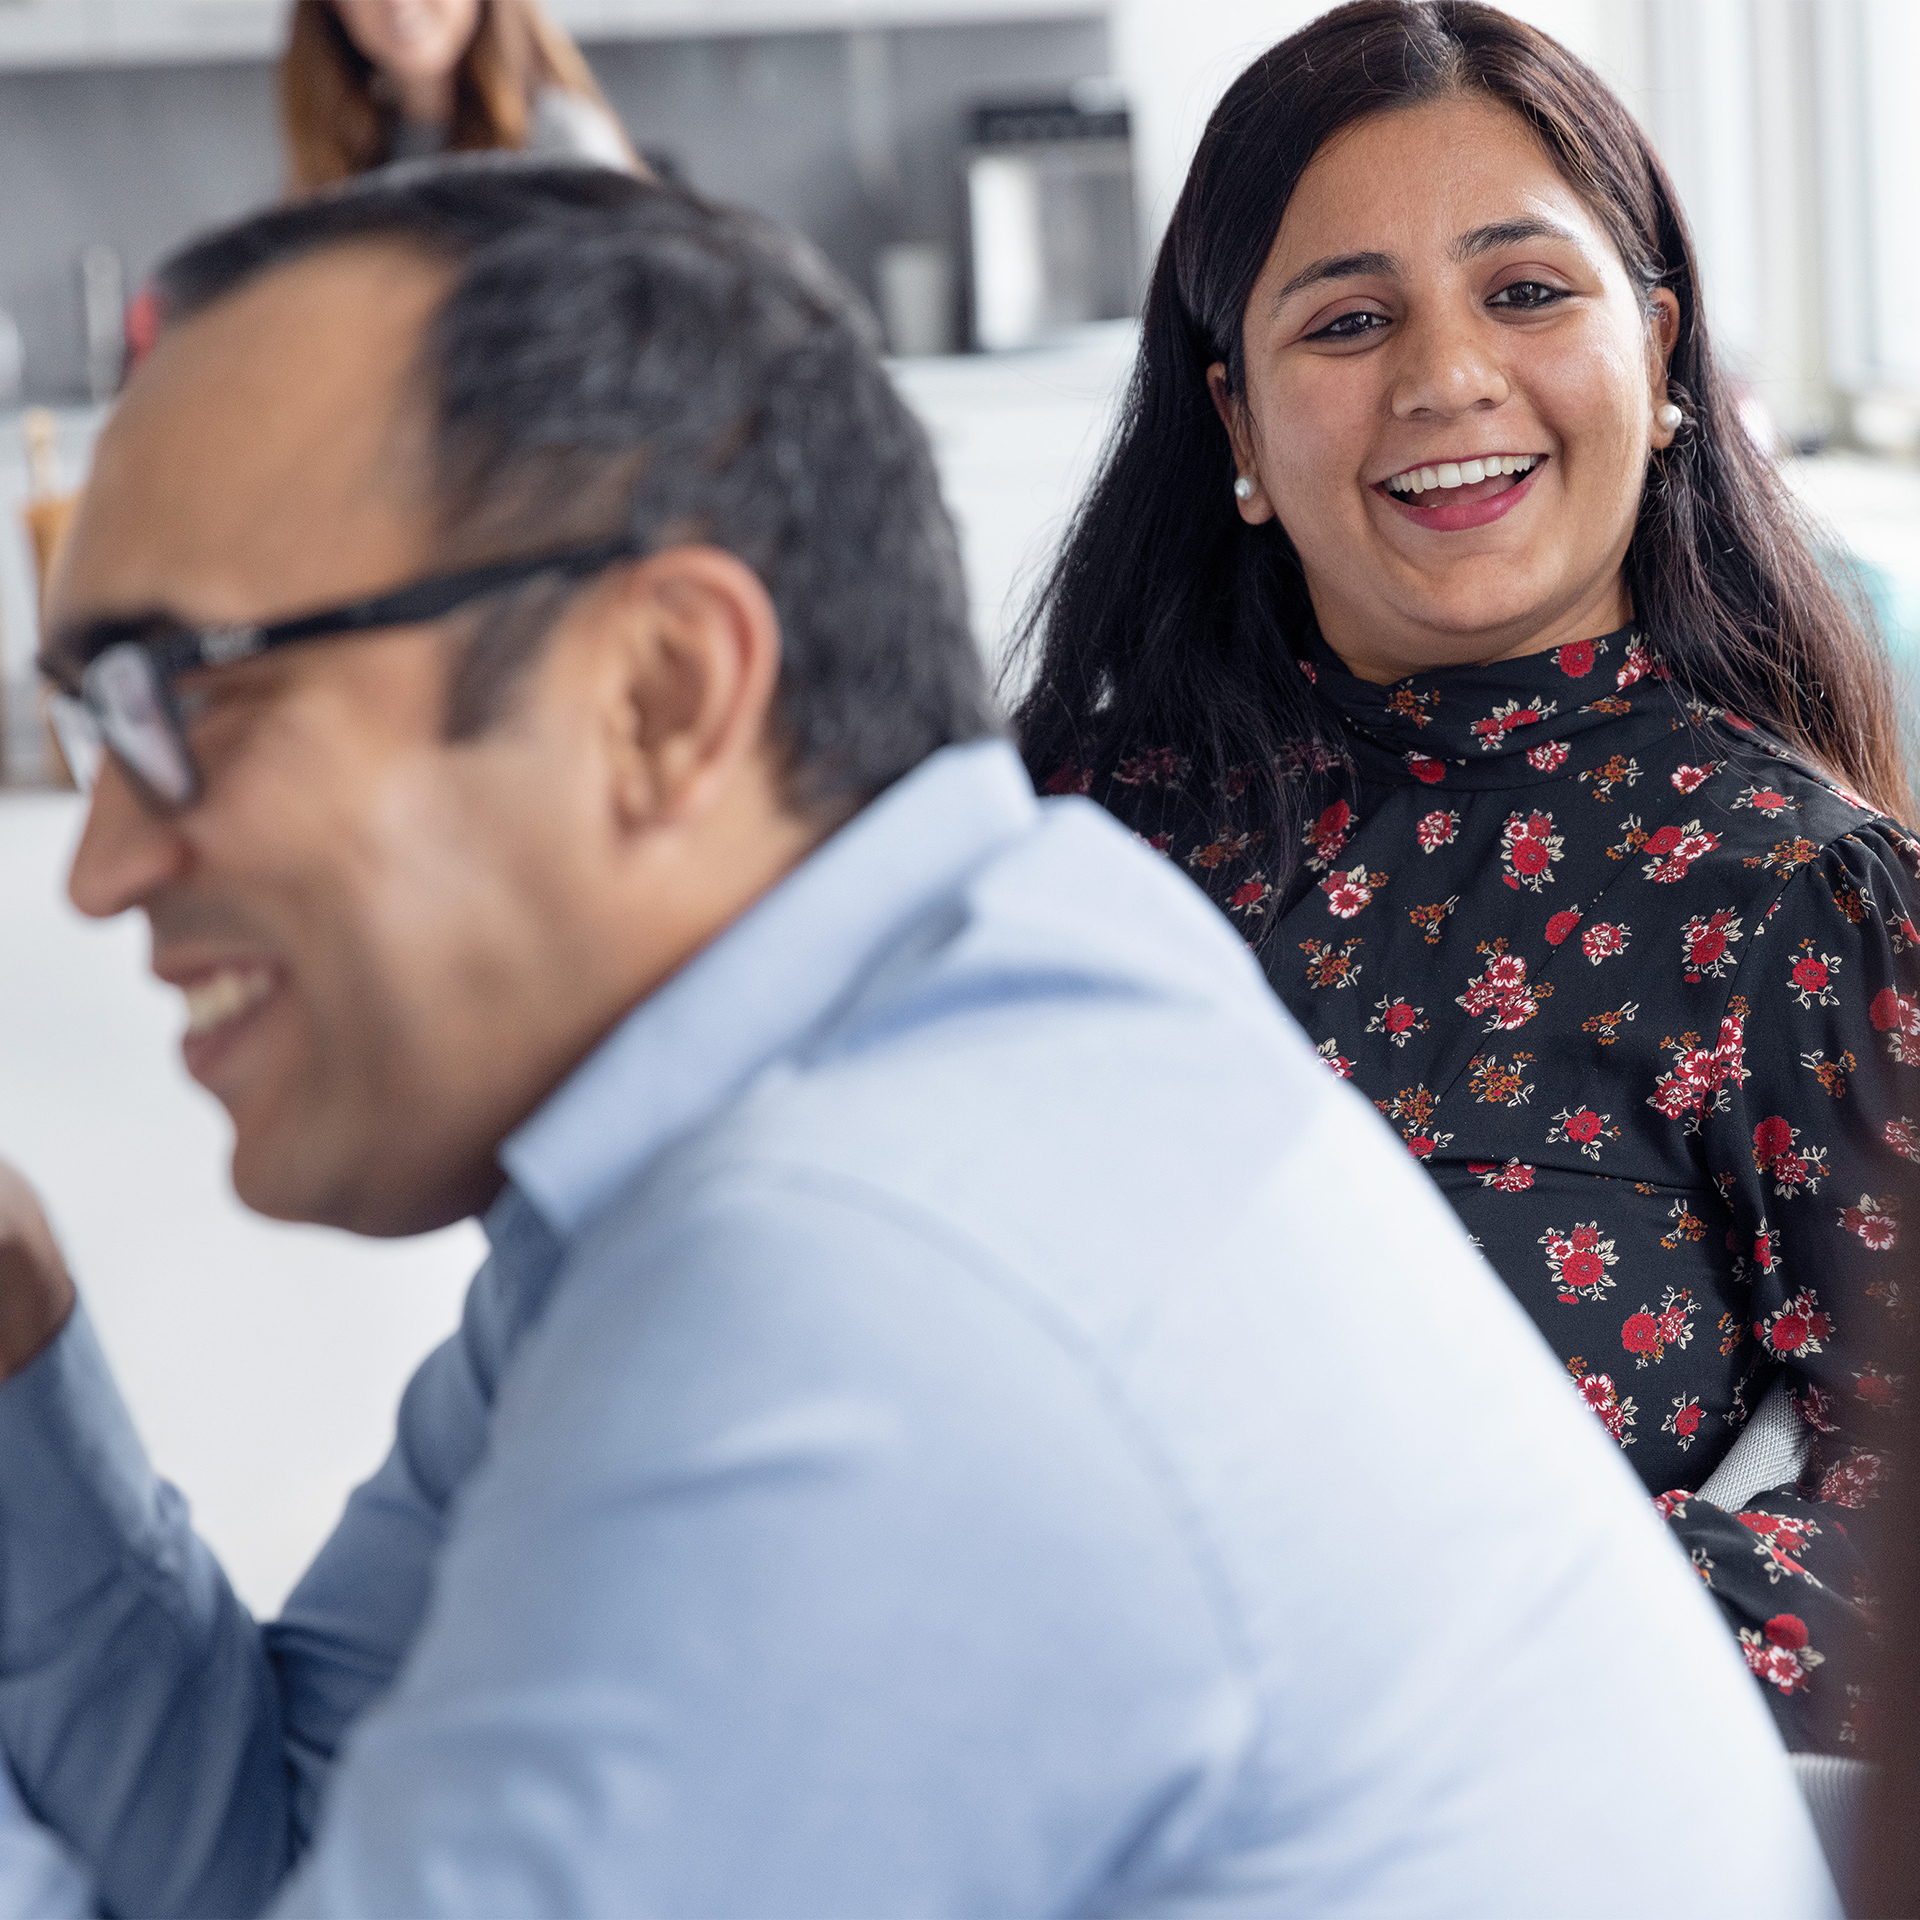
690 656
1255 507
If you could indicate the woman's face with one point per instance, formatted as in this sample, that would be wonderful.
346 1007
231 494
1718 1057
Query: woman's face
411 39
1438 295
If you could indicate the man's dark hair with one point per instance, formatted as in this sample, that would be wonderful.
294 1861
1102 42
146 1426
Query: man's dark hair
615 357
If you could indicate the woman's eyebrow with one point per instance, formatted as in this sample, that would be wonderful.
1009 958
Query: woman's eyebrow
1336 266
1506 233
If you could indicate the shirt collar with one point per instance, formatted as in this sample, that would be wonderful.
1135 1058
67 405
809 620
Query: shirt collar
1506 723
766 982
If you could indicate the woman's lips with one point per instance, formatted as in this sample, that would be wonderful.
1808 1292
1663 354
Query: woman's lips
1470 506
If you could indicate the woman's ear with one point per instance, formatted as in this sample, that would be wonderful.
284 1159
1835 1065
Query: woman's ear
1663 333
1249 495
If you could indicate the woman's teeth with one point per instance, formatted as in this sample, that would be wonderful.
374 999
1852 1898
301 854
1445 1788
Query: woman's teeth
222 996
1462 473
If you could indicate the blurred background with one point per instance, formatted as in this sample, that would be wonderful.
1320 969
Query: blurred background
994 174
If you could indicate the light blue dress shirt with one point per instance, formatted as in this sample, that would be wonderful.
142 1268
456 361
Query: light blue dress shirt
963 1416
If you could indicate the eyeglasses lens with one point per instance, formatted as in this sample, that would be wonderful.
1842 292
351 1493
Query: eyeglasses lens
125 699
79 736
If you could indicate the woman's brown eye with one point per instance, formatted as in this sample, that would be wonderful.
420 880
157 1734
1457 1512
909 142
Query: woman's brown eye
1350 326
1527 294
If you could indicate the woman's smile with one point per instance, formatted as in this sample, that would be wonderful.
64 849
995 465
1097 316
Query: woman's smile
1466 493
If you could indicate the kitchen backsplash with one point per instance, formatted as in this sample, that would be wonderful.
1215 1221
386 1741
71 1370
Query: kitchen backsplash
852 138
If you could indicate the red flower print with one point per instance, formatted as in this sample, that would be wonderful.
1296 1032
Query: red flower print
1647 1335
1765 800
1424 767
1329 1051
1876 1389
1810 978
1638 664
1771 1138
1903 1136
1583 1128
1310 670
1529 850
1575 659
1549 757
1505 720
1252 896
1852 1482
1501 991
1604 939
1690 779
1675 849
1815 1407
1798 1327
1579 1261
1787 1630
1348 892
1684 1421
1157 767
1777 1539
1697 1082
1328 835
1159 842
1706 945
1515 1177
1873 1221
1562 924
1398 1019
1070 779
1899 1019
1436 830
1599 1392
1778 1666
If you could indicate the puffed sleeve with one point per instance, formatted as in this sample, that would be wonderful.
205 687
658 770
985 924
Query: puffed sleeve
1812 1141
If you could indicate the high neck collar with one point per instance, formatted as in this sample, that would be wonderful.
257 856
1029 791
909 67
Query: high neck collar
1506 724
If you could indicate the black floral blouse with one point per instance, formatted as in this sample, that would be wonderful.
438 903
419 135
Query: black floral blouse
1640 990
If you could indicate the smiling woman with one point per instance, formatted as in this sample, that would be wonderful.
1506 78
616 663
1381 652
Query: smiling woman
1434 613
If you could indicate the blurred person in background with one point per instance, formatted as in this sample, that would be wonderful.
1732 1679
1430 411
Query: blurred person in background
366 82
1436 613
522 658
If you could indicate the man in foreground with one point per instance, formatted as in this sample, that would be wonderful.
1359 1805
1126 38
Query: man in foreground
945 1419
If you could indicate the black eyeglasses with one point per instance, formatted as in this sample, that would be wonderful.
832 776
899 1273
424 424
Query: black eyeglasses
123 700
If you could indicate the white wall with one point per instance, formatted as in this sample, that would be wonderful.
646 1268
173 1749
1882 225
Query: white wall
1176 58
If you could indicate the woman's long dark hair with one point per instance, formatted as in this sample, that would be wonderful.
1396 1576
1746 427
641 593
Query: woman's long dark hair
1169 622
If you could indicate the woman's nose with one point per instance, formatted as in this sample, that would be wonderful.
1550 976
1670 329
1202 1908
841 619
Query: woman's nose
1446 367
125 851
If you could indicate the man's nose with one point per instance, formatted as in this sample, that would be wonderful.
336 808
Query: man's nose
125 851
1447 366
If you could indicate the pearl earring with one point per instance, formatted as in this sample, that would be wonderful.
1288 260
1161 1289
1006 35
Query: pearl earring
1243 488
1668 417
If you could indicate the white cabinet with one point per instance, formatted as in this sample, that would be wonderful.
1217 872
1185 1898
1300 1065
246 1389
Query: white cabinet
65 33
141 30
46 33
